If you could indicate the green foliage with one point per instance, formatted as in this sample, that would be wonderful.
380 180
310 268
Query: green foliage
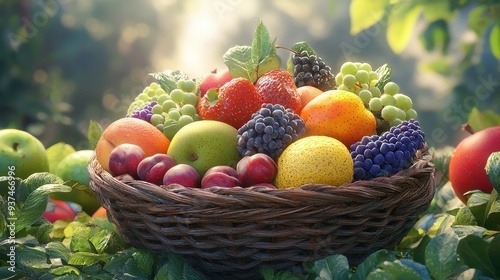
246 61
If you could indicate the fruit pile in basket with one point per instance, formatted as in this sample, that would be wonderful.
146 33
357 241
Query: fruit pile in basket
256 124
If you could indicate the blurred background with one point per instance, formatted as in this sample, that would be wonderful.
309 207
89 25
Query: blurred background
63 63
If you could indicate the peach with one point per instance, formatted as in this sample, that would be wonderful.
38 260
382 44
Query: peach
132 131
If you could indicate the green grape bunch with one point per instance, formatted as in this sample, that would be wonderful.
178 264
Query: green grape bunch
168 112
380 95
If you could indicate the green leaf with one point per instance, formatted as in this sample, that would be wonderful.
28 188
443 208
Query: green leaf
87 258
493 170
65 269
144 260
117 262
30 257
42 232
419 252
417 267
436 35
56 249
332 267
298 48
400 26
371 263
365 13
394 270
480 120
384 76
102 240
33 182
477 203
493 219
168 79
36 203
441 255
473 251
239 61
303 46
94 133
262 45
478 21
180 269
463 231
495 40
272 274
81 243
494 252
162 273
465 217
412 237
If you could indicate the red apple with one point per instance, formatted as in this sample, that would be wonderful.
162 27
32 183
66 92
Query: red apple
255 169
467 164
219 179
152 169
124 159
182 174
224 169
214 80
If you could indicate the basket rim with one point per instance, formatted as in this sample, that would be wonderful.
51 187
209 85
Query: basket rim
358 191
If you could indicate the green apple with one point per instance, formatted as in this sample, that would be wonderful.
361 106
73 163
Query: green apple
74 168
23 151
205 144
56 153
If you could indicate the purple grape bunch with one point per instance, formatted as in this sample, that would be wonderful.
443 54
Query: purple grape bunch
144 113
387 154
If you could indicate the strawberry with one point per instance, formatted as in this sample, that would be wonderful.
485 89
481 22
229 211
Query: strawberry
233 103
277 87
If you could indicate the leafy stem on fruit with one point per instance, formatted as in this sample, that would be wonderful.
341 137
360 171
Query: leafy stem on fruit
468 128
285 48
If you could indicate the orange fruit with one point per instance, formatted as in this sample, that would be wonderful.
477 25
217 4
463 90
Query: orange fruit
100 213
308 93
338 114
131 131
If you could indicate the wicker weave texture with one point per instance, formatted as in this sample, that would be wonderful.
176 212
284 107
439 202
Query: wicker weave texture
232 232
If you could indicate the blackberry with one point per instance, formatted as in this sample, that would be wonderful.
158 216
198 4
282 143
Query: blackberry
387 154
270 131
144 113
311 70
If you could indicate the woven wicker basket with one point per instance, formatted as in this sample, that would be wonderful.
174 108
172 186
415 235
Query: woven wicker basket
229 233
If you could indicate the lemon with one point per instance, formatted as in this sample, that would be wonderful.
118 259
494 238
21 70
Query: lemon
314 160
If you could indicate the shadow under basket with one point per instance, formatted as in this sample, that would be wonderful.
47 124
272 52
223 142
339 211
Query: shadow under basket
231 233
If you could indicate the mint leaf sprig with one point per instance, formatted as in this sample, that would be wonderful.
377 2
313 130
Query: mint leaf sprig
253 61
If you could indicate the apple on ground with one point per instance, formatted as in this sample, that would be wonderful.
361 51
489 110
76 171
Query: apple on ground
255 169
204 144
124 159
182 174
214 80
468 161
152 169
22 151
74 168
61 210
